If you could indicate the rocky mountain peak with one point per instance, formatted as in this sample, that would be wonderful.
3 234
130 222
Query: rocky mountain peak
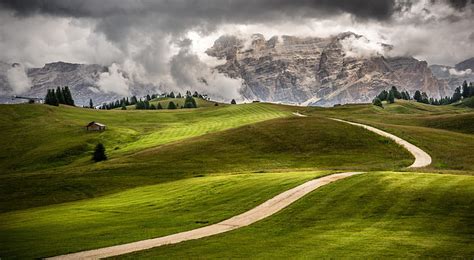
317 71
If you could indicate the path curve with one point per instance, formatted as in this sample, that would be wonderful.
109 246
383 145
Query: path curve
262 211
422 159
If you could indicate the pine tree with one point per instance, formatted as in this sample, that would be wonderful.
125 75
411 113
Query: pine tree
179 95
233 102
60 96
54 99
171 105
159 106
457 95
124 107
424 98
99 153
391 97
68 96
396 93
152 107
383 95
91 105
417 96
171 95
47 98
377 102
190 102
465 90
133 100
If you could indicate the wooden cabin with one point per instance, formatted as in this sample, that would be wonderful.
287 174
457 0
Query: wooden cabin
95 126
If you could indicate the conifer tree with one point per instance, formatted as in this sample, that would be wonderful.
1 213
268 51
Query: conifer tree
54 99
152 107
190 102
171 105
91 105
60 96
159 106
233 102
171 95
457 95
391 97
99 153
417 96
68 96
465 90
377 102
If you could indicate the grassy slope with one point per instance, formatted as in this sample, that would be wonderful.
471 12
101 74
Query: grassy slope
137 214
376 215
179 102
280 144
445 132
40 136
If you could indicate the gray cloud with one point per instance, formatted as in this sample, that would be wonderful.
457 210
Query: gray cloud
230 10
147 39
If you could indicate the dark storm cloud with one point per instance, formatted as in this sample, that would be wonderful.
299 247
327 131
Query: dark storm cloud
233 10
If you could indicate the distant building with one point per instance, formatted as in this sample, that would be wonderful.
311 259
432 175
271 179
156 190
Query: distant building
94 126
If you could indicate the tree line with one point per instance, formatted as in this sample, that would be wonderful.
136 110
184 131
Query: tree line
59 96
464 91
145 104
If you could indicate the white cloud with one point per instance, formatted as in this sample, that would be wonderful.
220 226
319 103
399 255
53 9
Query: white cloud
361 47
455 72
114 81
18 80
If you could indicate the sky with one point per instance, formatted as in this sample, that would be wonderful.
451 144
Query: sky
162 42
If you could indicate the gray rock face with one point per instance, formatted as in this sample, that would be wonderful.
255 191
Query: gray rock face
81 79
454 76
317 71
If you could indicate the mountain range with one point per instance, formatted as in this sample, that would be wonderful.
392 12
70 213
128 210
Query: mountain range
283 69
321 71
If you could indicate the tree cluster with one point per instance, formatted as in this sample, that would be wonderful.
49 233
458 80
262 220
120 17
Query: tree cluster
390 96
59 96
461 92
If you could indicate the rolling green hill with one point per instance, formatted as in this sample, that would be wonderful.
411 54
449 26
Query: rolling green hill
275 145
102 221
201 103
376 215
167 168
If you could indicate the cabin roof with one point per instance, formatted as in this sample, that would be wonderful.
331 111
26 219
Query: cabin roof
94 123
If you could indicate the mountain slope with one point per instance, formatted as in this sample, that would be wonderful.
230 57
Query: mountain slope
81 78
317 71
455 76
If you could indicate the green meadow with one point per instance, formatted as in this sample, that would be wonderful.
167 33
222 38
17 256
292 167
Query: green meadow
175 170
374 215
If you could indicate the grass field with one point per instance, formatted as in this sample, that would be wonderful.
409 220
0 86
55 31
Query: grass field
139 213
42 136
445 132
167 168
375 215
281 144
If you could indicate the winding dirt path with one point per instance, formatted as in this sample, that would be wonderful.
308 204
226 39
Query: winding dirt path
422 159
262 211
